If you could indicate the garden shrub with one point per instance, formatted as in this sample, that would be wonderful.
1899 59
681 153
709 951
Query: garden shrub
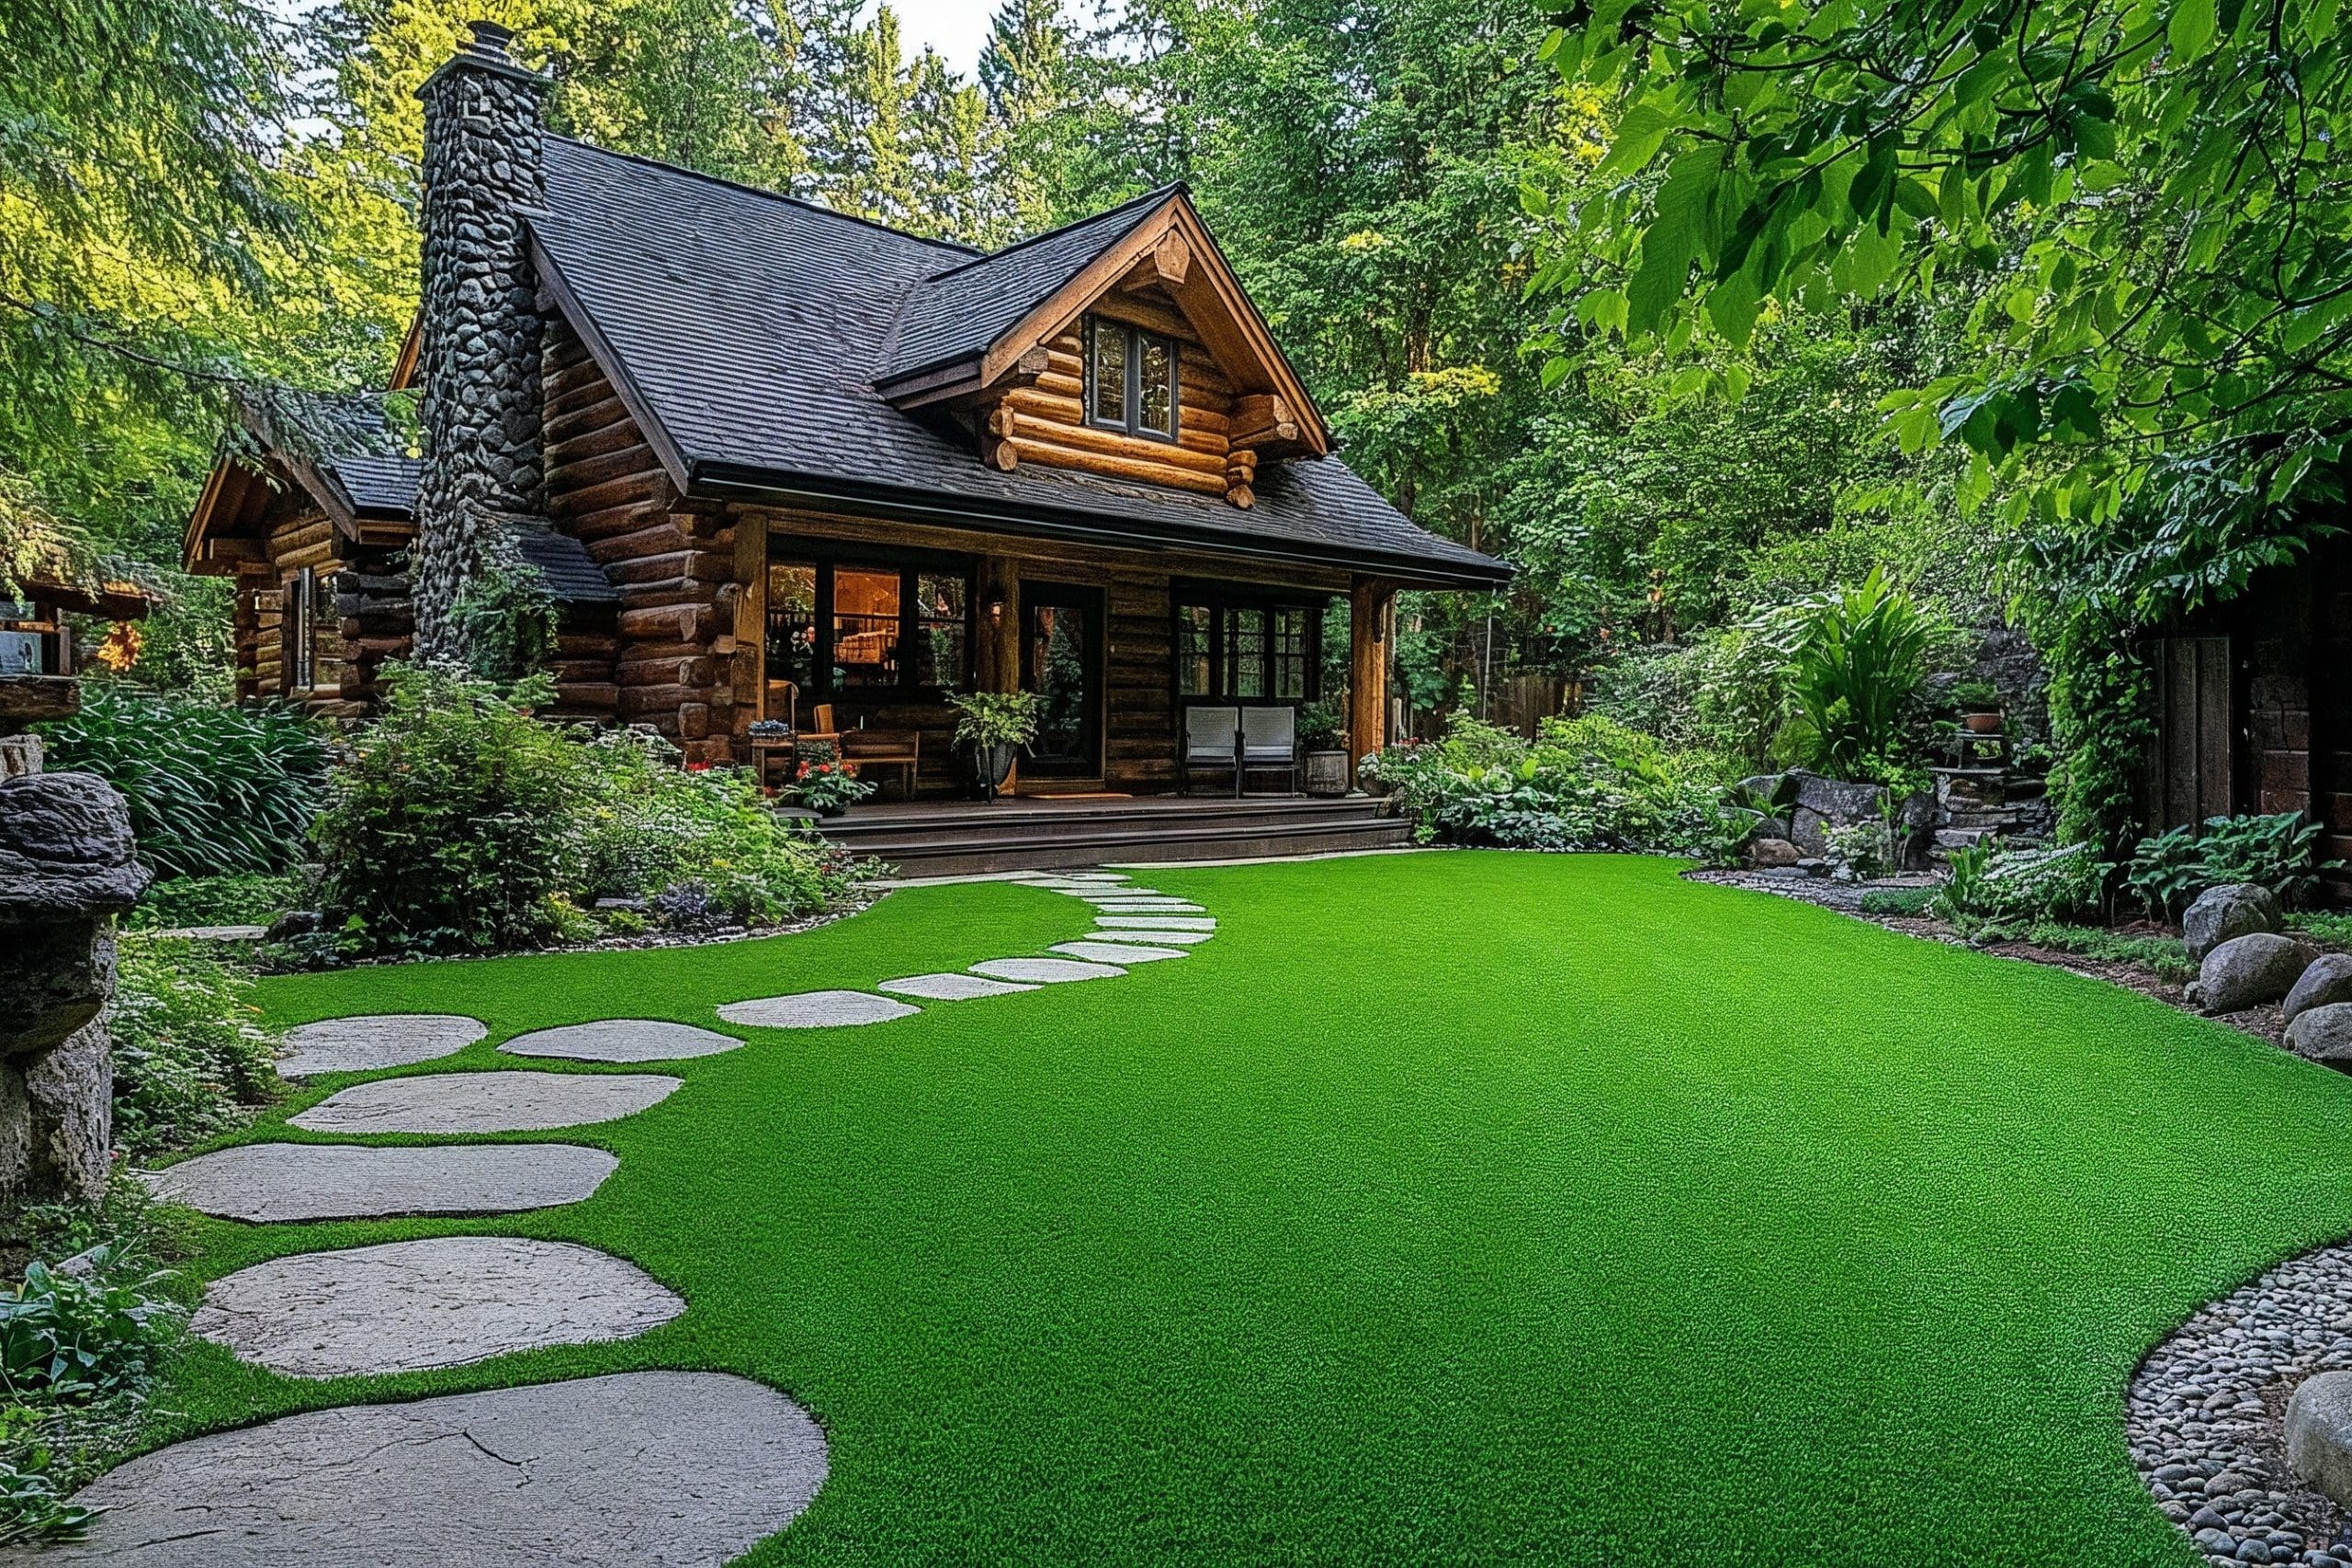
213 791
454 823
243 899
1995 888
86 1333
1854 678
1585 784
190 1057
1908 901
2169 870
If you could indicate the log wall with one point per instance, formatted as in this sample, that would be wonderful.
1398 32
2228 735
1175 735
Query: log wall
363 614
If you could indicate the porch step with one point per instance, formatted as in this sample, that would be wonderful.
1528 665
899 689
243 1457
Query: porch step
948 841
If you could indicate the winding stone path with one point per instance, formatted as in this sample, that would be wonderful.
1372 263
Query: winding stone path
374 1040
950 987
816 1009
264 1182
485 1102
637 1470
622 1040
442 1302
1117 952
1045 971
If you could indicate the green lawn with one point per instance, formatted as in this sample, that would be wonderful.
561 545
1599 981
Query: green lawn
1462 1208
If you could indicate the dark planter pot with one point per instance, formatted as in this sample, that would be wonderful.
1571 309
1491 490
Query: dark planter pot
1985 721
987 767
1327 773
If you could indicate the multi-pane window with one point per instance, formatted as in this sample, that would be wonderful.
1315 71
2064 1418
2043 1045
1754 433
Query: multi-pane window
1130 379
848 627
1246 650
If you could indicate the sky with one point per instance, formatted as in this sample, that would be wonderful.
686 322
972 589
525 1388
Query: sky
955 27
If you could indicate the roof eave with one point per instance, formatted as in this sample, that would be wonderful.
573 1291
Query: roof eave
743 481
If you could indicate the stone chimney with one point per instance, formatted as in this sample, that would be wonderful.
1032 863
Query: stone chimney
479 368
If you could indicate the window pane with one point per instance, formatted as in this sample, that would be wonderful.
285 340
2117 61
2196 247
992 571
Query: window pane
1109 368
1290 653
940 603
1245 653
295 655
1157 381
866 627
792 624
1192 650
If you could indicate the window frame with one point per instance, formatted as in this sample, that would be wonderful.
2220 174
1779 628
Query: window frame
1224 602
1131 392
912 566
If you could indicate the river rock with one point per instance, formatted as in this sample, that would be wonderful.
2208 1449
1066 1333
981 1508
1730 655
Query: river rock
2327 981
2247 971
2324 1034
2224 913
2319 1432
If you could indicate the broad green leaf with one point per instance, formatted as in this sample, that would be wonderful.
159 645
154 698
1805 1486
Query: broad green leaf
2190 28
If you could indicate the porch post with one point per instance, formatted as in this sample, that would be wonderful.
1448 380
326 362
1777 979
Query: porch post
1000 647
1371 600
750 630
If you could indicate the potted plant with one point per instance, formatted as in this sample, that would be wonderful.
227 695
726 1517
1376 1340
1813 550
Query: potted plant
1320 734
989 726
1980 706
828 785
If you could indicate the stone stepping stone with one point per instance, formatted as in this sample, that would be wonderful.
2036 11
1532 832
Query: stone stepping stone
265 1182
1045 971
1153 938
375 1040
816 1009
1118 952
407 1306
622 1040
636 1469
951 987
1159 922
1152 906
1121 895
486 1103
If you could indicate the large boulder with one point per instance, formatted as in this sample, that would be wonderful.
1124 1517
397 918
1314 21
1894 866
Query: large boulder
2222 914
2324 1034
2327 981
2247 971
1825 803
2319 1432
1771 854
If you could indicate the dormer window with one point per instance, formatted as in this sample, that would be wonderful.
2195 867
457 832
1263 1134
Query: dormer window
1130 379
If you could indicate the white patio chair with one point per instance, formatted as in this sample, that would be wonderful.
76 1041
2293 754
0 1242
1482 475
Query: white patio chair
1270 743
1213 743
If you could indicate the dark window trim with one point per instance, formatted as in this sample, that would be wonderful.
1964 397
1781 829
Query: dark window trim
1220 600
1130 395
829 555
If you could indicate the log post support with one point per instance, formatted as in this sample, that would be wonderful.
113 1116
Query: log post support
750 675
1371 604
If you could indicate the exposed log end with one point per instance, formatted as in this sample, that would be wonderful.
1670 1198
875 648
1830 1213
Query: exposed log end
1242 496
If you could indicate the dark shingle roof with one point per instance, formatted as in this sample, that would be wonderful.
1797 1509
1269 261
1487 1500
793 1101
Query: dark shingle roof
958 313
751 327
378 486
570 574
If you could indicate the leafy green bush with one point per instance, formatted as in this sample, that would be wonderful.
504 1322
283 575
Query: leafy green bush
2166 955
454 823
190 1057
1586 784
2169 870
2324 925
1854 679
245 900
213 791
1908 901
1994 886
86 1333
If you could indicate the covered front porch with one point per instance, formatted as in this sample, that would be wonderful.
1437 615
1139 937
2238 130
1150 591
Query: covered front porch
861 629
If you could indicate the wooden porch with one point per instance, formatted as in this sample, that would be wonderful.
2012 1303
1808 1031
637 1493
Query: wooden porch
929 838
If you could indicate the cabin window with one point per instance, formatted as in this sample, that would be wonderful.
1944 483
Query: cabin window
1130 379
24 633
309 604
1246 649
851 627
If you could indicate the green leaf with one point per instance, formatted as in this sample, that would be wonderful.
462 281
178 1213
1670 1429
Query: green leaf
1639 136
2190 28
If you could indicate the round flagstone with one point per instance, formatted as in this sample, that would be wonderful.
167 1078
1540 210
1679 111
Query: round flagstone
816 1009
443 1301
339 1181
1152 907
622 1040
1120 896
485 1102
1159 922
635 1470
375 1040
1118 952
950 987
1153 938
1045 971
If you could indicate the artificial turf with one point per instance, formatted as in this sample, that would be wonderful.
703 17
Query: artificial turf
1463 1208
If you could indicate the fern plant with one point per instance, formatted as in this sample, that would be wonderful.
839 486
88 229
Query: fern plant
1853 677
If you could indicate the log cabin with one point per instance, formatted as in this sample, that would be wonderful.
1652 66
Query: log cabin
771 457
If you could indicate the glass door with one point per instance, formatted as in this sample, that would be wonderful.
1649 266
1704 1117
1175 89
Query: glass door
1061 660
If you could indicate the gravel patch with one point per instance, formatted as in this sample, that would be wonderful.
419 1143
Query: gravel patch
408 1306
2206 1409
375 1041
637 1470
485 1102
265 1182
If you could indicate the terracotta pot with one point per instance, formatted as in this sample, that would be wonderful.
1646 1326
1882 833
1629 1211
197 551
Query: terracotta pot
1985 723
